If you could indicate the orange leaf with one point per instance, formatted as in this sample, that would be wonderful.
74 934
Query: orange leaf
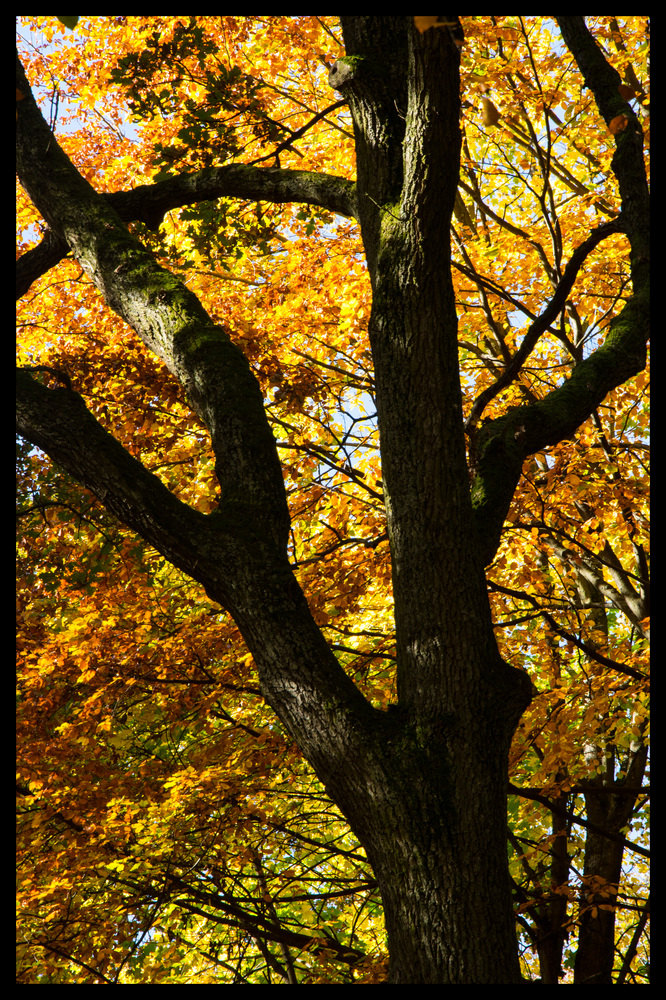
423 23
491 115
618 124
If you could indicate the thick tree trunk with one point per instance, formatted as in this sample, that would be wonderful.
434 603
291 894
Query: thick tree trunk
439 852
441 865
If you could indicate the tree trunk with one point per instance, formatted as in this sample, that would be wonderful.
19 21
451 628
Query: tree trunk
440 865
608 808
439 857
609 805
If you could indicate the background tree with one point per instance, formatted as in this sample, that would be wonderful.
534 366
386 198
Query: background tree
269 690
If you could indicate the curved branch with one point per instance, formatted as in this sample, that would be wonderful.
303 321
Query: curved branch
504 443
628 165
58 422
547 317
150 202
38 260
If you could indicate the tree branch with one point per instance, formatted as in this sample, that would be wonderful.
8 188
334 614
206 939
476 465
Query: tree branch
541 324
628 165
504 443
569 814
38 260
587 648
58 422
150 202
168 318
238 553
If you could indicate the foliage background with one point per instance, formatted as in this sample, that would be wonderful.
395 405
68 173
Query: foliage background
169 831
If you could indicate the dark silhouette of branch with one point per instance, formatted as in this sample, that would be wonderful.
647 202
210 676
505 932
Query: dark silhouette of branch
542 322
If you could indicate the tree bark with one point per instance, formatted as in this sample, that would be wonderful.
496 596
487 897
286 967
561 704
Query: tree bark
609 808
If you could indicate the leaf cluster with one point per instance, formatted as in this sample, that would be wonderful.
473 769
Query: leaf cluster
169 830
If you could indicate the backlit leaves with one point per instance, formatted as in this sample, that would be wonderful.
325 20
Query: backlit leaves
169 830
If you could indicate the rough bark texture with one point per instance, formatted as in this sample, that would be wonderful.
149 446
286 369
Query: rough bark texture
609 807
423 786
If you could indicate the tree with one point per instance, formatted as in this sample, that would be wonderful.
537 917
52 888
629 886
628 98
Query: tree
408 621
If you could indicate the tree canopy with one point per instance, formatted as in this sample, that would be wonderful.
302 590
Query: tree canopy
332 454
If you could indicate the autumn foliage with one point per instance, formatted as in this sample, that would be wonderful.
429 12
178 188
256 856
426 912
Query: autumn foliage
169 829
